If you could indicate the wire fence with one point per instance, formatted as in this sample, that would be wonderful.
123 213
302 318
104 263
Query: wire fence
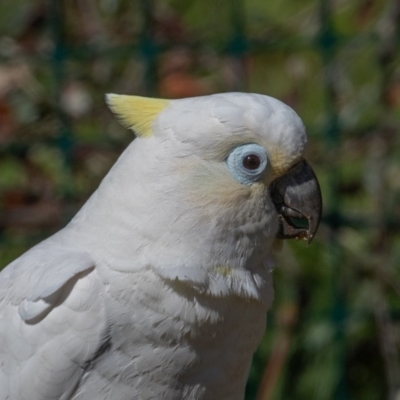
337 65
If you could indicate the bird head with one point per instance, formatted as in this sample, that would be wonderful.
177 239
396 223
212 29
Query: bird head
228 172
256 139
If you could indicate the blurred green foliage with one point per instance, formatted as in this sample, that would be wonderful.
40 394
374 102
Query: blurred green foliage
333 332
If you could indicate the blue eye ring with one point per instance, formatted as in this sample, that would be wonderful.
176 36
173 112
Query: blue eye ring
248 163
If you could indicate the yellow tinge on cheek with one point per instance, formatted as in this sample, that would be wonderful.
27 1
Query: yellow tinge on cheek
210 186
280 163
221 191
223 270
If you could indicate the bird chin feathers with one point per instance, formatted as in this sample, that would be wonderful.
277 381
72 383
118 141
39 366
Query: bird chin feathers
223 281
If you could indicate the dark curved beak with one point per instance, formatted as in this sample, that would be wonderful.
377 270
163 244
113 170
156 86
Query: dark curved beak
298 201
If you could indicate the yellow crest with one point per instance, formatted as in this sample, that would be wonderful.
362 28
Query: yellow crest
135 112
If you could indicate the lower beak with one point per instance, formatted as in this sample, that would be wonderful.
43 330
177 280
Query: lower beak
298 201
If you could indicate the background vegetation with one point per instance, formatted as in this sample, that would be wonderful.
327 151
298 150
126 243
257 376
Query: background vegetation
334 329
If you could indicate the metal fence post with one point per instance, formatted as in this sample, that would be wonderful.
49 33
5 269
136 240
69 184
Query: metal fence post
328 41
59 54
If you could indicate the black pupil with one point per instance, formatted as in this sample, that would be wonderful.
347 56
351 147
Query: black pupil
251 161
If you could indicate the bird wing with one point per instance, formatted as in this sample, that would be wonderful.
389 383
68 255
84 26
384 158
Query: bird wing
52 322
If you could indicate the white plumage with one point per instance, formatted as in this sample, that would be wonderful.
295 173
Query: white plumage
159 287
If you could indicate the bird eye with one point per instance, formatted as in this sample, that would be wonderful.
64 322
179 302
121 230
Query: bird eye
247 163
252 161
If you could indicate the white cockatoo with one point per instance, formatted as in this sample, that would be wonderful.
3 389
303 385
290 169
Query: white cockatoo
158 288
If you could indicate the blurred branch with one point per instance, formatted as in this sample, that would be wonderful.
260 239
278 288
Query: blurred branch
388 343
287 318
92 24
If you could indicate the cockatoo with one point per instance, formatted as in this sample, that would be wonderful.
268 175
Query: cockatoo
159 287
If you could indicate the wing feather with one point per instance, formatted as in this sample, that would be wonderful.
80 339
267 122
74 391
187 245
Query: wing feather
52 322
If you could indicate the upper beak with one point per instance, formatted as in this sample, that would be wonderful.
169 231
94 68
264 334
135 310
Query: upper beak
297 198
